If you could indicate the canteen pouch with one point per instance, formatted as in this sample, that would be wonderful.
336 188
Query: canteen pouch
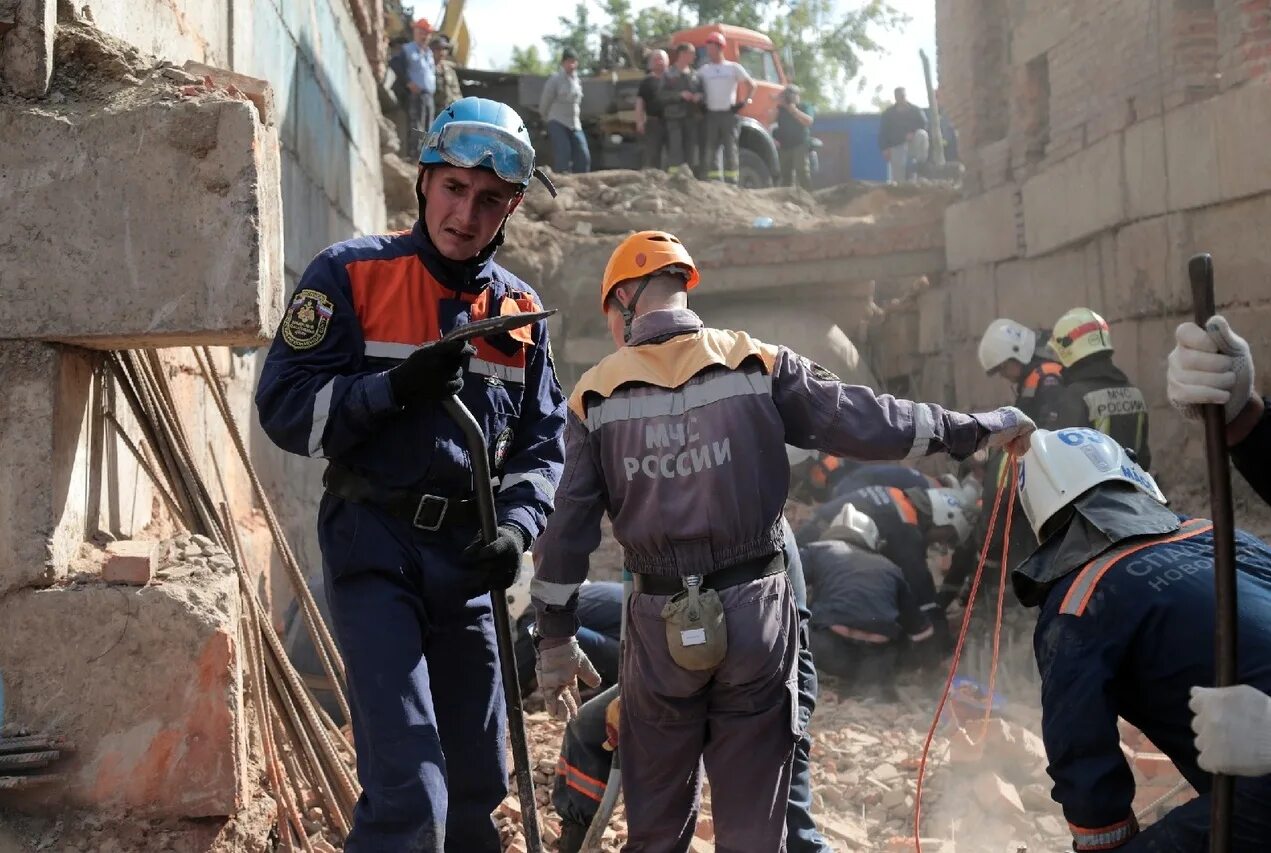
696 633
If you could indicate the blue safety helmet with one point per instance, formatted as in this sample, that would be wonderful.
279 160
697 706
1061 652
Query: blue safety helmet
477 133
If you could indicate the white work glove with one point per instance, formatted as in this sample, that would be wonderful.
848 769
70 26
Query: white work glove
559 668
1233 729
1209 366
1014 435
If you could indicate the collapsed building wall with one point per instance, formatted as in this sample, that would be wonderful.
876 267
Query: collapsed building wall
1104 144
147 201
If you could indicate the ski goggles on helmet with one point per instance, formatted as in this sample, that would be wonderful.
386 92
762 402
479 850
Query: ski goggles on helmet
474 144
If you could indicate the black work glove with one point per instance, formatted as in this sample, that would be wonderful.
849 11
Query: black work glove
500 561
432 372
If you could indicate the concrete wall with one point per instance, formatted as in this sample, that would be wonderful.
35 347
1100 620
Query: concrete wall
1124 153
312 53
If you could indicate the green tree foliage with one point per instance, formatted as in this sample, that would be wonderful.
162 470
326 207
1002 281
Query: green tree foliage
821 46
580 33
825 50
526 60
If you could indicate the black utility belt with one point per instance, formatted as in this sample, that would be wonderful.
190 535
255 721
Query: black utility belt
421 511
750 570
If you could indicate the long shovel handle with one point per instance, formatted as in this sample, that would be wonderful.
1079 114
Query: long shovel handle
480 459
1200 270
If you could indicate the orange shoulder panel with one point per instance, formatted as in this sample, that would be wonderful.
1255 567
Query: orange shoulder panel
670 364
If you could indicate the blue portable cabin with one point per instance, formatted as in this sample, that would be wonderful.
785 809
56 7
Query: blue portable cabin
849 149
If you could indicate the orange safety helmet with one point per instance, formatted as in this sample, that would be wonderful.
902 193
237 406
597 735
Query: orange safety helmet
422 24
640 256
716 38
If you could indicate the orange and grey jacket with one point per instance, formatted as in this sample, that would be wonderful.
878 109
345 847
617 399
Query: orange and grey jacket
364 305
680 437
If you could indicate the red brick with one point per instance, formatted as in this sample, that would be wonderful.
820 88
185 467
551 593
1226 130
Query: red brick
130 561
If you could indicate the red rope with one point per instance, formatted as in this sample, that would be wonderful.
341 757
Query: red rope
1001 599
957 651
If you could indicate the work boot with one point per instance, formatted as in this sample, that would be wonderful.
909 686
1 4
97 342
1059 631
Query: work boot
571 837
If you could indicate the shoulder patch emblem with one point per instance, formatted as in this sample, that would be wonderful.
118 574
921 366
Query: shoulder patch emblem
307 319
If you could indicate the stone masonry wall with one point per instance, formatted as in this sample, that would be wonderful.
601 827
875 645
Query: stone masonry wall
1135 137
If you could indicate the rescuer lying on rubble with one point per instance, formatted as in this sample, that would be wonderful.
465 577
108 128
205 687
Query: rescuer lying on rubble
1213 366
1126 626
860 604
590 739
680 436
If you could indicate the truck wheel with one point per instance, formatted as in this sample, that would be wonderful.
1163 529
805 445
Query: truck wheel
754 172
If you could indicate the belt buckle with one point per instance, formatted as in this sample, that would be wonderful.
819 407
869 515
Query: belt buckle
424 511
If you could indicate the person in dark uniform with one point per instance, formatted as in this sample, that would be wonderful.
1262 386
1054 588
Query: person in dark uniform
586 755
650 124
1125 629
861 604
679 435
1096 393
355 377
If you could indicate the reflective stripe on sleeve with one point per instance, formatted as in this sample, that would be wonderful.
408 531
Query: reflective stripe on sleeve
540 482
553 594
321 412
924 430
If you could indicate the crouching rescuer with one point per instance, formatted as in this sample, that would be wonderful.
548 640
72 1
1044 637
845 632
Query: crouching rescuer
1126 629
680 437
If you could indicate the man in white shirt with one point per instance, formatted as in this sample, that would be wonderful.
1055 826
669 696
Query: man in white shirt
727 89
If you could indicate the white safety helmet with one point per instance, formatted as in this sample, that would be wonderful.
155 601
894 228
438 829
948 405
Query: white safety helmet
948 510
854 526
518 594
1061 466
1004 340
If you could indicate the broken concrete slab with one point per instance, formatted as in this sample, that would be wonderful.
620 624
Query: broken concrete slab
996 795
26 45
158 746
95 249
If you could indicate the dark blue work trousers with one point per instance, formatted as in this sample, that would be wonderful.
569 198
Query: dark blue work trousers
424 685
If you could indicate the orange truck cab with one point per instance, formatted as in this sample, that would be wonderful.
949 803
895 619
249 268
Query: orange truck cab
756 53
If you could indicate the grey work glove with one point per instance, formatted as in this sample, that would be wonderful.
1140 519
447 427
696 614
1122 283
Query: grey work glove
561 663
1013 434
1210 366
1233 729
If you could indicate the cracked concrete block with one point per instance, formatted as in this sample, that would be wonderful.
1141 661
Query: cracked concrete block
26 49
140 223
41 426
98 665
1075 198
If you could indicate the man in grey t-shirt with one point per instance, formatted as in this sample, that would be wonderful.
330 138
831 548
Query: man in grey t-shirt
559 106
727 89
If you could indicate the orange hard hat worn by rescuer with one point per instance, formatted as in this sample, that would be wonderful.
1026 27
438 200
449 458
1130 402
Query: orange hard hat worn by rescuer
640 257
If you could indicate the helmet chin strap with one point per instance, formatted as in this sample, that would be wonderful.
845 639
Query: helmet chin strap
629 309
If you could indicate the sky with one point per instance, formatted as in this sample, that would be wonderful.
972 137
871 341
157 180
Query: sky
499 25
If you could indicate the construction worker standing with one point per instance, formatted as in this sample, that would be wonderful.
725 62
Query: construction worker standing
680 436
860 603
448 89
650 125
352 378
1097 393
1126 630
681 109
727 88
